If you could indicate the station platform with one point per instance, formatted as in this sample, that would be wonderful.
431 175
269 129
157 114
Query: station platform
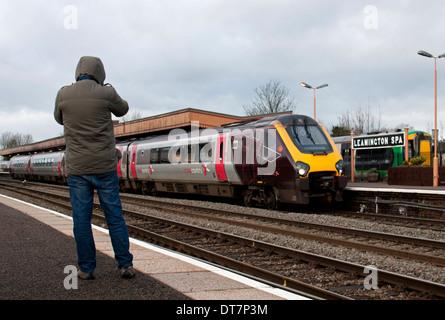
384 187
37 246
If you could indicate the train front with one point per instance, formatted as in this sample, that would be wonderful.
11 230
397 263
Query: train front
318 165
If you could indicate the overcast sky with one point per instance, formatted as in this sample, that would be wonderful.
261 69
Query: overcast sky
167 55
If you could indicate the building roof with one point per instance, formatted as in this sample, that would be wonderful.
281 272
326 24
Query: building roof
157 124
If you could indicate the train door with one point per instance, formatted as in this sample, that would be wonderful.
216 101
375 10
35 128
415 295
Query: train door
133 162
122 167
425 151
30 165
220 155
120 163
60 165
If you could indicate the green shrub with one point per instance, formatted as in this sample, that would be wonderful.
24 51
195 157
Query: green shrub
417 161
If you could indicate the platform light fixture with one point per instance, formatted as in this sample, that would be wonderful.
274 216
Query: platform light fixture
435 160
303 84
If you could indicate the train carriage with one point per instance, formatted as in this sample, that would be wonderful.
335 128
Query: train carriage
279 159
283 159
48 166
177 163
20 167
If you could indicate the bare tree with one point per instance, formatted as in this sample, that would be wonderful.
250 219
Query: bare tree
360 120
271 97
11 140
429 124
137 114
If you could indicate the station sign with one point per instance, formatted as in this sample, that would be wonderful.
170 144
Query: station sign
379 141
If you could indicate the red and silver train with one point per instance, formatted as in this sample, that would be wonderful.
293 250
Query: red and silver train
280 159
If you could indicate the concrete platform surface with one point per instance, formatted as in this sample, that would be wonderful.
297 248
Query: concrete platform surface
37 245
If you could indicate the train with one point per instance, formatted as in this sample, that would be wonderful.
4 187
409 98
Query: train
44 167
4 166
285 159
419 145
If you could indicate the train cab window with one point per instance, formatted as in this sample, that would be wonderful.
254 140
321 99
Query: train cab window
309 138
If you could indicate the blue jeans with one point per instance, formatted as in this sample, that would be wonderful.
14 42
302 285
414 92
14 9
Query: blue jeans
81 195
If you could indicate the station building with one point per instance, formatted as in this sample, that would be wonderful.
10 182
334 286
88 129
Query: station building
158 124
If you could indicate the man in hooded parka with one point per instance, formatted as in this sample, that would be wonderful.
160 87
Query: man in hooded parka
84 109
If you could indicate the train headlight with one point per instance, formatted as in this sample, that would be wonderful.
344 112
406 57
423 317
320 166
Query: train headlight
302 168
339 167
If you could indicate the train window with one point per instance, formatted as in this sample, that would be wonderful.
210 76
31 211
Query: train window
221 151
201 153
179 154
205 152
154 155
164 155
175 155
194 153
309 138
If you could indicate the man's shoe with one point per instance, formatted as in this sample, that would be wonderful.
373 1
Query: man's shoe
127 272
84 275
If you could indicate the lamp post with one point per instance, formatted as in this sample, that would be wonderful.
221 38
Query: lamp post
435 160
310 87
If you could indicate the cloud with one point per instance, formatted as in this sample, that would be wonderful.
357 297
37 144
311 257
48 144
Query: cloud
39 124
167 55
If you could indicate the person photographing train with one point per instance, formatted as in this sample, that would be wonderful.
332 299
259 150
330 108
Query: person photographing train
84 109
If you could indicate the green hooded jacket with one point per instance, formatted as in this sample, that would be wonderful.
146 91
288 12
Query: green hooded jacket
84 109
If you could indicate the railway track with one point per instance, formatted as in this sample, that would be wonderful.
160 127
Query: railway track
328 278
353 238
399 220
405 221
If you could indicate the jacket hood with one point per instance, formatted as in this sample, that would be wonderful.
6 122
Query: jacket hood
91 66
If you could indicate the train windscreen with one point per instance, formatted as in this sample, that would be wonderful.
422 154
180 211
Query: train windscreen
309 138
